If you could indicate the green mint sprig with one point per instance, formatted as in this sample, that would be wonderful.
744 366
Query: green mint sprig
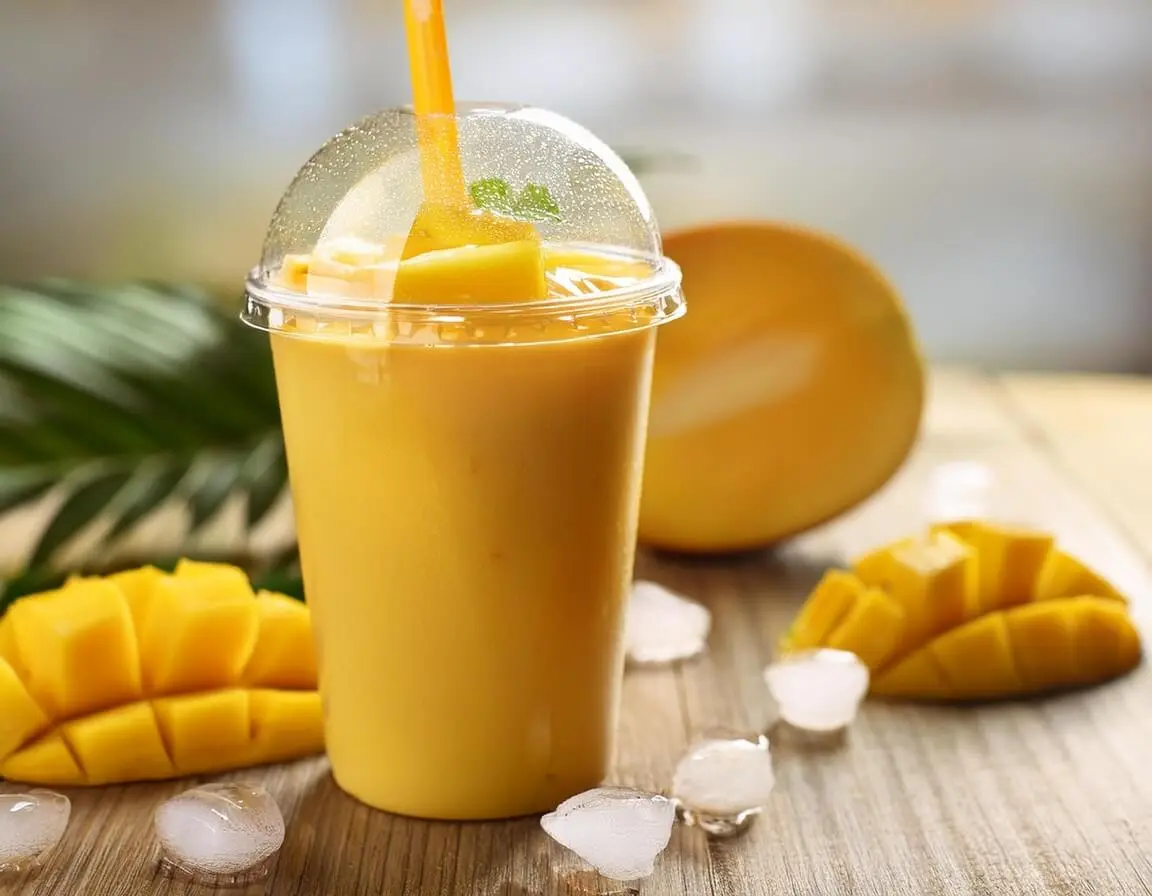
532 203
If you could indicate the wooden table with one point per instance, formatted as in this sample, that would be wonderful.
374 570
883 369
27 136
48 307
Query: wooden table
1043 797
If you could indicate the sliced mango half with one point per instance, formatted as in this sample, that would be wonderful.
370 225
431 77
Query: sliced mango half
145 675
972 610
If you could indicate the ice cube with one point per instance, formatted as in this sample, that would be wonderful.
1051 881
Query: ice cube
30 824
721 784
960 490
662 627
818 690
618 830
220 829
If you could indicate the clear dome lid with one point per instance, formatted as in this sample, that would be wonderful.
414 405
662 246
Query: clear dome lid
359 202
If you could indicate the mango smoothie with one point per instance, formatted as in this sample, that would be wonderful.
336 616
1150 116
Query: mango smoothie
467 519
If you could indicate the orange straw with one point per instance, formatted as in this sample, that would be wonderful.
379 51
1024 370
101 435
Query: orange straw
432 99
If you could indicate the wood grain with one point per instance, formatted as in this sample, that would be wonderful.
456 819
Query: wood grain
1040 797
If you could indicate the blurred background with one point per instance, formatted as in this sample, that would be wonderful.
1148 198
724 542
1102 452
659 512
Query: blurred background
993 156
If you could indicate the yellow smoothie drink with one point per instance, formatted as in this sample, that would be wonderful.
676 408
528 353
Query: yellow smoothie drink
464 393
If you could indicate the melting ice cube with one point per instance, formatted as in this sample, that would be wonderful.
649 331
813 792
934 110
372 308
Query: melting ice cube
723 783
960 490
662 627
818 690
220 829
618 830
30 825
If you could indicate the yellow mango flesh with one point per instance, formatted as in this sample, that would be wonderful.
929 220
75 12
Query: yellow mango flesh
791 391
1010 562
1062 575
482 273
507 272
198 633
932 578
146 676
78 647
285 654
995 656
972 611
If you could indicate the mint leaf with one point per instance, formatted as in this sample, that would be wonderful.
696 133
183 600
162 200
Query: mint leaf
533 203
537 204
492 193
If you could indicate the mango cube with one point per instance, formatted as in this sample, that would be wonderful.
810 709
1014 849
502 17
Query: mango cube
1064 576
198 633
977 660
973 611
285 654
286 724
831 599
46 761
204 732
82 640
871 630
1008 561
9 649
21 718
121 744
932 578
138 586
144 676
1045 638
504 272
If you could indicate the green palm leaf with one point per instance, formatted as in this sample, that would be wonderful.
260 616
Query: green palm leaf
117 401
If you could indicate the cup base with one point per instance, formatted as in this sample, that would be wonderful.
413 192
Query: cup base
474 811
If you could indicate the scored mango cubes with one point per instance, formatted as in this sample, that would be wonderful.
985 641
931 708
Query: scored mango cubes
972 611
144 675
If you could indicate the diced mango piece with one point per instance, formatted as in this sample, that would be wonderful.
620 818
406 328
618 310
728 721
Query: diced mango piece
145 676
81 648
505 272
286 725
977 659
121 744
1029 648
285 654
217 579
9 649
1044 634
205 732
933 578
829 602
138 587
1062 575
194 641
871 630
46 761
1008 562
1106 643
21 718
974 611
917 675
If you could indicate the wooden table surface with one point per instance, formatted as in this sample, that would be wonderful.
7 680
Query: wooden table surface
1041 797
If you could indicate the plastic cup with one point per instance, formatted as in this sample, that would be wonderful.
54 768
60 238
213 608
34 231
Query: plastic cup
466 476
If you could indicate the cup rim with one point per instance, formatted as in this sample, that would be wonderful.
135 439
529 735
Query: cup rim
659 292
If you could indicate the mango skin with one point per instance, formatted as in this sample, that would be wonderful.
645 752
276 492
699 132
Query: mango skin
974 611
148 676
791 391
